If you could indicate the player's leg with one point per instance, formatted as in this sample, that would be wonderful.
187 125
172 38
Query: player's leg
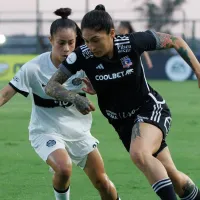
183 185
85 155
52 150
145 141
94 169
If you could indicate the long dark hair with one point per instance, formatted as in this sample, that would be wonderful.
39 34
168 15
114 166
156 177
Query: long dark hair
65 22
98 19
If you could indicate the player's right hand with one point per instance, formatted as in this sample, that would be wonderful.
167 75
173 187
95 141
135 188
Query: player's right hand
83 105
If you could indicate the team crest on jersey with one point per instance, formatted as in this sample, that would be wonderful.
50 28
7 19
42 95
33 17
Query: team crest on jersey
51 143
126 62
76 81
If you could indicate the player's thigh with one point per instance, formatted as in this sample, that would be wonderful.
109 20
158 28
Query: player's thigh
79 150
145 137
52 150
94 164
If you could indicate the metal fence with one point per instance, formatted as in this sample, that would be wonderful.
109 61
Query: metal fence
28 34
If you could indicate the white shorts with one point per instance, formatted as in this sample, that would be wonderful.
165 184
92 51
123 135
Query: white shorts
45 144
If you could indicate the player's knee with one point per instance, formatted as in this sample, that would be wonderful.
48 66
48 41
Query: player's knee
64 170
102 182
139 157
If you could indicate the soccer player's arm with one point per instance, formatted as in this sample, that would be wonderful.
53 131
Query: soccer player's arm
166 41
19 84
55 88
151 40
6 94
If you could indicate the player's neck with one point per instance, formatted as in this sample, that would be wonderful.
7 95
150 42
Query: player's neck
55 62
111 53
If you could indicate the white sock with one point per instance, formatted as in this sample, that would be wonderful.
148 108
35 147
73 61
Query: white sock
63 195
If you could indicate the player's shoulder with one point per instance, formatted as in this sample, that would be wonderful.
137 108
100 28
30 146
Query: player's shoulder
34 64
85 52
123 43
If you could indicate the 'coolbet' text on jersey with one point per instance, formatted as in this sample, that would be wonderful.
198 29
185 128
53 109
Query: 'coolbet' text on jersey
120 82
50 116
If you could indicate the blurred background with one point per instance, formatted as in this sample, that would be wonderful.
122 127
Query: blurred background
24 28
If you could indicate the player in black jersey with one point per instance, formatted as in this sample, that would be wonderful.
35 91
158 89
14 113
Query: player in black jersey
125 27
136 111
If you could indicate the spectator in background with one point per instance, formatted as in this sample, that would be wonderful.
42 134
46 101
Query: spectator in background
126 28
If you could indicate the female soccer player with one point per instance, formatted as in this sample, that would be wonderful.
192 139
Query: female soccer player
57 131
126 28
138 113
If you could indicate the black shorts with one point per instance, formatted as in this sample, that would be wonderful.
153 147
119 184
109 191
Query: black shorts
154 111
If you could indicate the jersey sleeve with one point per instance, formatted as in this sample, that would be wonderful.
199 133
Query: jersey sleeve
143 41
21 81
72 63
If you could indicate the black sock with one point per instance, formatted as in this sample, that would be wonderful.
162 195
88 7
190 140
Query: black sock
59 191
164 189
194 195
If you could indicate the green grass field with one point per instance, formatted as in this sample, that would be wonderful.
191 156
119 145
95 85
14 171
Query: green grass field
24 176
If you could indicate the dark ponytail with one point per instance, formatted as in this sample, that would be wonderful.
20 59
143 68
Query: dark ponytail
65 22
98 19
100 7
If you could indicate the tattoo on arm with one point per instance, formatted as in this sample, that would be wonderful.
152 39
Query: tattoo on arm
55 89
184 54
164 41
188 188
135 131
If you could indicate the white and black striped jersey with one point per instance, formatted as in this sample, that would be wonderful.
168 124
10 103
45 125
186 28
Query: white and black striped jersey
119 82
50 115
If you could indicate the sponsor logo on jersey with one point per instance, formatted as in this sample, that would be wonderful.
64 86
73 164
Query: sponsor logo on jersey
71 58
114 75
126 62
124 48
100 66
86 52
15 78
121 115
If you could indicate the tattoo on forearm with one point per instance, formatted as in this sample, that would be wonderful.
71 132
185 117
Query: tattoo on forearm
81 103
184 54
135 131
164 41
188 188
55 89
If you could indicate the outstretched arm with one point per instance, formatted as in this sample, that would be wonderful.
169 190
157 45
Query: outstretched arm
55 89
165 41
6 94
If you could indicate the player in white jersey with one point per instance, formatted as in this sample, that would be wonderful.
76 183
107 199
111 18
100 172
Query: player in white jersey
58 132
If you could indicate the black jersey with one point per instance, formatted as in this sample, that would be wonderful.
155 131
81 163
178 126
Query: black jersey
120 82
